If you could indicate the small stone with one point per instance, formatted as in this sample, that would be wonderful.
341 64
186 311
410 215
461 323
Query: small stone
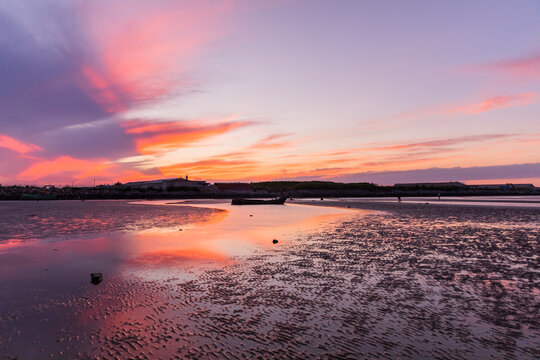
96 278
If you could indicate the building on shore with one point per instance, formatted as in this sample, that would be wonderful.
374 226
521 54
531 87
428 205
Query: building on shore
164 184
451 184
504 186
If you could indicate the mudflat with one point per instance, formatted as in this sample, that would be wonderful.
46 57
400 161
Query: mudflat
390 280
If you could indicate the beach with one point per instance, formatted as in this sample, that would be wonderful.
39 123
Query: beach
348 278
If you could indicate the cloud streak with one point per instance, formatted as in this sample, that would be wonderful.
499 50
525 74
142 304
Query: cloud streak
514 171
486 105
158 137
16 145
76 168
495 103
523 67
440 142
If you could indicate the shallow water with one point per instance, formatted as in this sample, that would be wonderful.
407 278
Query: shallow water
399 280
45 290
498 201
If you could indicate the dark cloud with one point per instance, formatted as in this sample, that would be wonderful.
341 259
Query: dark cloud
42 91
516 171
102 140
40 87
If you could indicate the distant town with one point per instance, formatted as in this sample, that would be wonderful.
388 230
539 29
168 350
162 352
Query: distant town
183 188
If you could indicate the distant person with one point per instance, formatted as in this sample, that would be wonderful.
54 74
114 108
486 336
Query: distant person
439 195
399 198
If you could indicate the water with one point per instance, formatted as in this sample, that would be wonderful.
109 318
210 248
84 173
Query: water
49 249
499 201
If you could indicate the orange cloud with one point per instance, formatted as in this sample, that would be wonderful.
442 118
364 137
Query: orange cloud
154 138
16 145
77 168
65 169
214 168
231 165
248 164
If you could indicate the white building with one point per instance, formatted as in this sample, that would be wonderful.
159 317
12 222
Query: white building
165 184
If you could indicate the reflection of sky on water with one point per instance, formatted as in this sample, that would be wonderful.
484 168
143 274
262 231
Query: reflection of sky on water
226 236
234 232
45 287
219 284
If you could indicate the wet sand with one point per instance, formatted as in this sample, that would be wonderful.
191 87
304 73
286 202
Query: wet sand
400 280
30 220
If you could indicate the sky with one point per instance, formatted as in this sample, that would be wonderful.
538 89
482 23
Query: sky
376 91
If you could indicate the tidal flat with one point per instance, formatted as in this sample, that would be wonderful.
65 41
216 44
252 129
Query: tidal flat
203 279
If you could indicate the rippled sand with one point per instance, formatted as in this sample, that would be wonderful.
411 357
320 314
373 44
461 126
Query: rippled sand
30 220
410 281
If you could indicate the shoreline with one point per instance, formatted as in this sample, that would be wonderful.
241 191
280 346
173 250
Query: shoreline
404 204
211 192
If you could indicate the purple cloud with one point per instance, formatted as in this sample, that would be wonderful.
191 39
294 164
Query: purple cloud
515 171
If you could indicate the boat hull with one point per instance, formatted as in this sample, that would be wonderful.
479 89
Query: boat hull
239 201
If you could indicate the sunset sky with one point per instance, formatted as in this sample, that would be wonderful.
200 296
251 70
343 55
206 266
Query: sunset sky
377 91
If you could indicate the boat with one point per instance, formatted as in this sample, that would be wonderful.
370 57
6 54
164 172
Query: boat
280 200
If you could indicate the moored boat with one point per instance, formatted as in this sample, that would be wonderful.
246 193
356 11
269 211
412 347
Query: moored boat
280 200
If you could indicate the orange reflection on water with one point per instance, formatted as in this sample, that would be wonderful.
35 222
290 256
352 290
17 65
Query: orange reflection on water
11 243
143 270
232 232
174 258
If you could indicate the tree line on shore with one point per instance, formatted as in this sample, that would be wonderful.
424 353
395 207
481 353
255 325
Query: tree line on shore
298 189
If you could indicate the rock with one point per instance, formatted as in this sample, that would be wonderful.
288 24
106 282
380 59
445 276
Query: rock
274 241
96 278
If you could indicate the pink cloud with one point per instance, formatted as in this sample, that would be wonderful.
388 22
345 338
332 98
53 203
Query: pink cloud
80 171
494 103
16 145
270 142
526 66
440 142
65 165
144 50
156 137
488 104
